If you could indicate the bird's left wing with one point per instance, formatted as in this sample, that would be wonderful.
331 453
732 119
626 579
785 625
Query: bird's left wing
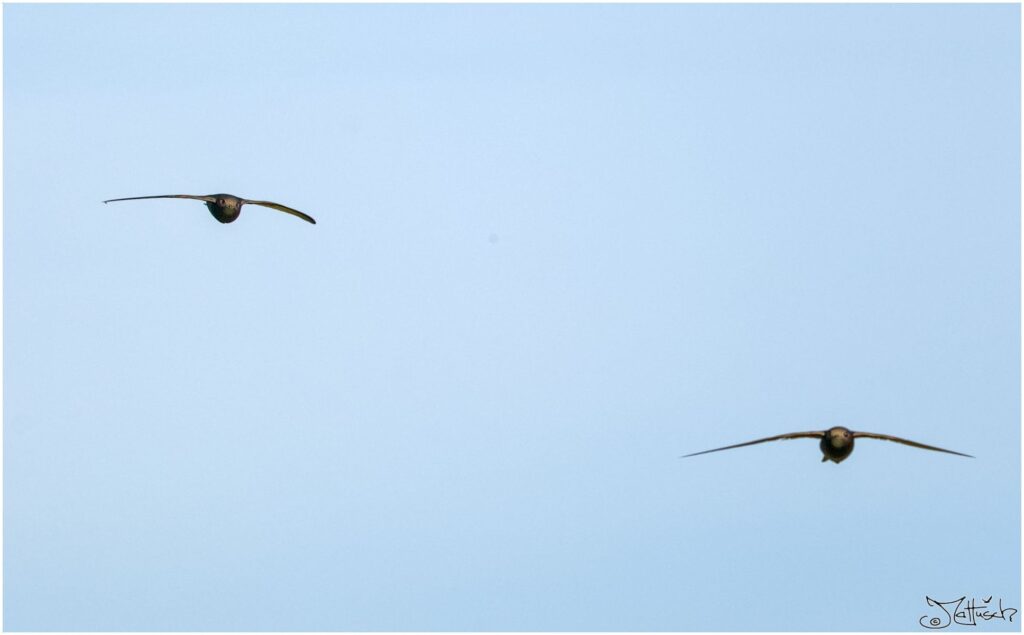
792 435
915 444
208 199
282 208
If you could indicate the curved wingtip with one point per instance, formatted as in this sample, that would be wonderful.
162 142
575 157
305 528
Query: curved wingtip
686 456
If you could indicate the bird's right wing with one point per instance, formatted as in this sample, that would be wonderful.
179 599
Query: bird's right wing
208 199
792 435
282 208
913 444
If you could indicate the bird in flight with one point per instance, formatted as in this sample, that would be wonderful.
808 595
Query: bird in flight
836 443
225 207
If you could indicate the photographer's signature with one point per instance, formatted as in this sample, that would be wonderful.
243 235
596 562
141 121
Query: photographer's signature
965 613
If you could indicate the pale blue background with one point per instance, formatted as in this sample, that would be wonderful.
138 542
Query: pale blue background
558 246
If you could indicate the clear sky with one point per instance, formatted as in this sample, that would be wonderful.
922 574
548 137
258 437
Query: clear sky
557 247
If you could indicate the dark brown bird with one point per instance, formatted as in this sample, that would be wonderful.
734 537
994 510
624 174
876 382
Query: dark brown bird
836 443
225 207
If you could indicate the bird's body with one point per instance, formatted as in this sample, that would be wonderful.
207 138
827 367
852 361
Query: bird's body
225 207
836 442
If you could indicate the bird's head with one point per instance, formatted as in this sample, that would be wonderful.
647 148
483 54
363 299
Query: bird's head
227 201
839 437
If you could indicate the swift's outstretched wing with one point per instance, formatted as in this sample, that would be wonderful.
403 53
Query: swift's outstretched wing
282 208
792 435
914 444
208 199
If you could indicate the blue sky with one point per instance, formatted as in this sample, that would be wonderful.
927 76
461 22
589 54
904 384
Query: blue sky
557 247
